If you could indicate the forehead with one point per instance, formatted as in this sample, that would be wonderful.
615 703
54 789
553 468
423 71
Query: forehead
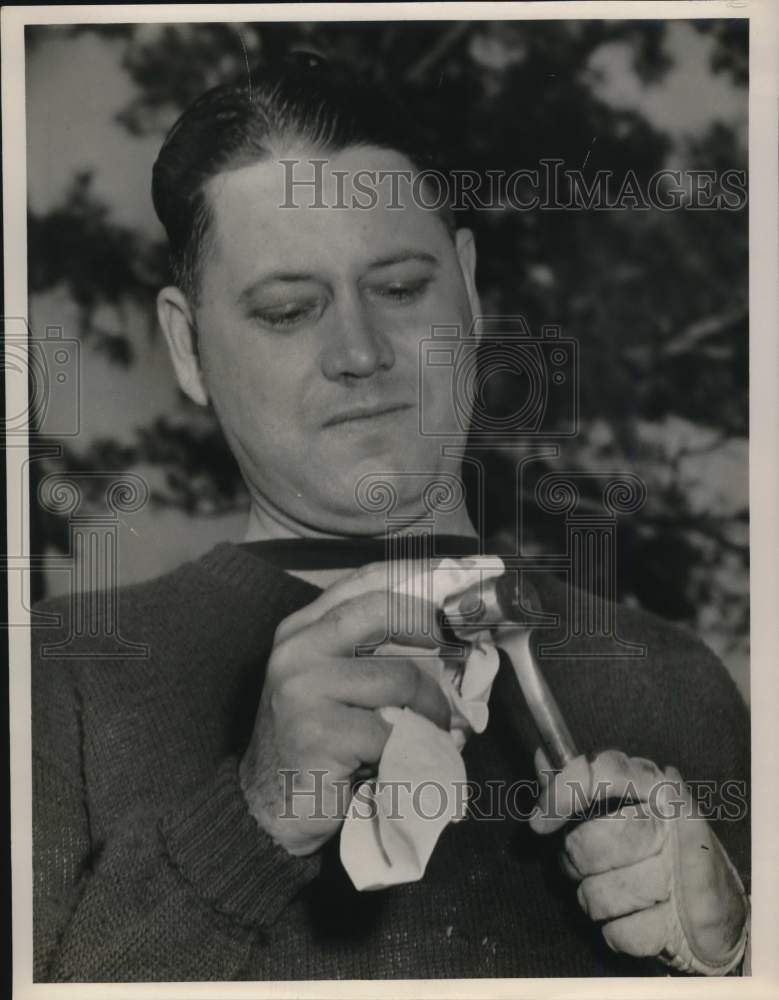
293 210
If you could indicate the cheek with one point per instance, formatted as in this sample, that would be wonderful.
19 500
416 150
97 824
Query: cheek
265 399
244 373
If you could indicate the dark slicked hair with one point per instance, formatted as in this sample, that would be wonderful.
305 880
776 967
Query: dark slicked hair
302 98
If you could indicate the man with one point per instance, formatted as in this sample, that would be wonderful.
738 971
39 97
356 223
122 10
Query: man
168 844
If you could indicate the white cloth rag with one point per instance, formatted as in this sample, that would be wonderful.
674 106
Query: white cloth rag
394 821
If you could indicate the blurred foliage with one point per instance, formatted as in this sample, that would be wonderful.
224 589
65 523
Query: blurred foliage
657 300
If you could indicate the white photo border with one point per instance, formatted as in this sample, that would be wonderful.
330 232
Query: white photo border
764 489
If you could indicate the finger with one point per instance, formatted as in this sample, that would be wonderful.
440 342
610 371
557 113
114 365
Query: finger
612 842
369 682
641 934
387 576
626 890
368 620
372 576
568 868
611 774
358 736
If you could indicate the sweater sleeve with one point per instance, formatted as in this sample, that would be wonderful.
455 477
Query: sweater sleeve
172 894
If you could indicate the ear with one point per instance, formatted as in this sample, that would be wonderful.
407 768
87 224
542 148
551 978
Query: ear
466 253
180 331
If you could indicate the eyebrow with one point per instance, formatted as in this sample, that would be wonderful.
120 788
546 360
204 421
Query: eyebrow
401 257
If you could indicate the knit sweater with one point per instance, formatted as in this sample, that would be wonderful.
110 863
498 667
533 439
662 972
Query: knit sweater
148 865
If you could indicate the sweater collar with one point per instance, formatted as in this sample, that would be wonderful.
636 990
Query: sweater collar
350 553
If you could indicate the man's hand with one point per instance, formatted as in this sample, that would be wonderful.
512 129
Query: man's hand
316 724
653 872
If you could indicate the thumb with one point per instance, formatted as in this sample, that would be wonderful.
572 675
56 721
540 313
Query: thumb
544 769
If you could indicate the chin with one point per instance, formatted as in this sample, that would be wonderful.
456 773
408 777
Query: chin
350 524
370 489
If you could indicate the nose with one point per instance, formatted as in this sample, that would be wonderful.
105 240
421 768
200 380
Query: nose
356 345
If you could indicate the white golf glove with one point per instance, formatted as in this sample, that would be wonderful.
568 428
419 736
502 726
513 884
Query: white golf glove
653 872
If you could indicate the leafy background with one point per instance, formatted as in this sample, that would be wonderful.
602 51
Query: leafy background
657 300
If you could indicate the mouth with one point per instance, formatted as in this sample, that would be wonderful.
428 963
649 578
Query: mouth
363 413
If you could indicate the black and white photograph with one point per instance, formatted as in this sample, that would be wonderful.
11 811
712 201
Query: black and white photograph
391 465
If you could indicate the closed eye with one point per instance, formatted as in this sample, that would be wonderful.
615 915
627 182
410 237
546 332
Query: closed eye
289 315
401 292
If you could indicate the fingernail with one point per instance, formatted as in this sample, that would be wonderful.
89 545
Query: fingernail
470 604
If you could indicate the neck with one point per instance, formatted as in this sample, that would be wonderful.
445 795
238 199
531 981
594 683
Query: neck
265 524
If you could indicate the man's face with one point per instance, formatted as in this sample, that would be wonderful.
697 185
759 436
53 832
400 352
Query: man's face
309 324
